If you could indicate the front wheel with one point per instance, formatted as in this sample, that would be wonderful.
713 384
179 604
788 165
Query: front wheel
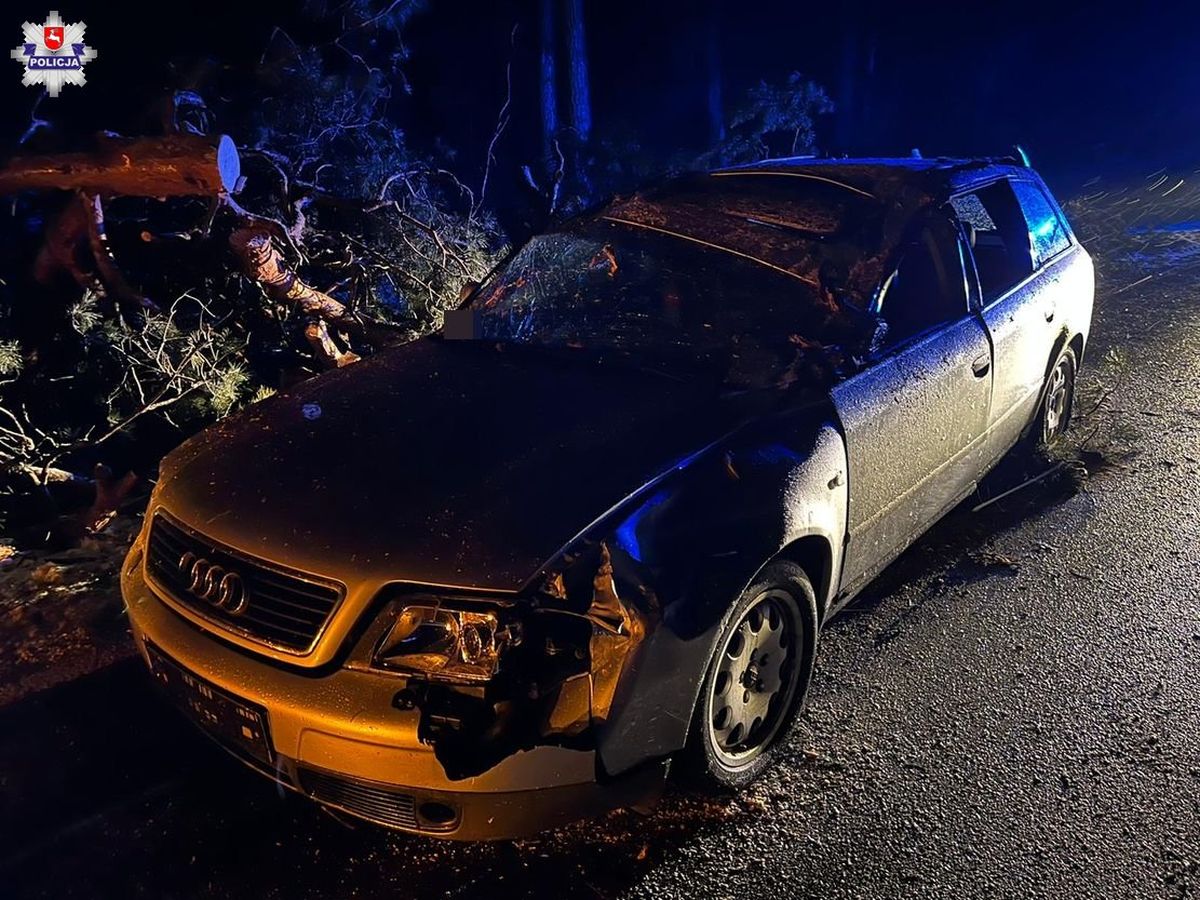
756 680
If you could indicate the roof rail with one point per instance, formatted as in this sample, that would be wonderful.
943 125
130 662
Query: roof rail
1018 157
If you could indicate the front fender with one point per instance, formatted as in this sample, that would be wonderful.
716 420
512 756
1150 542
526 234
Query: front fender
693 549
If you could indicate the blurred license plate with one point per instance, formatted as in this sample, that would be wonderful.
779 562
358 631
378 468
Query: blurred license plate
235 723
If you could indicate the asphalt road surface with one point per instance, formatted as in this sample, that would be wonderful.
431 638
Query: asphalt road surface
1010 712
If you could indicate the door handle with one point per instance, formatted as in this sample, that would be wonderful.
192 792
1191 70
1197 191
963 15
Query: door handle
981 365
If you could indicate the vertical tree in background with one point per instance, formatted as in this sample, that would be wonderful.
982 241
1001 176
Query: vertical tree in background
581 97
845 119
549 77
854 124
712 57
867 125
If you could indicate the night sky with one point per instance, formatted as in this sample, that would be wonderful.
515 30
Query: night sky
1084 90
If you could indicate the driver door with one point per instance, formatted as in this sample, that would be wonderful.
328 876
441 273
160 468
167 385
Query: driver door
914 421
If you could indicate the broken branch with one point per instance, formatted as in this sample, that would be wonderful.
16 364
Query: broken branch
262 262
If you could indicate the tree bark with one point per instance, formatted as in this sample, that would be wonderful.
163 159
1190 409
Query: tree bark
178 165
581 95
714 102
549 77
844 115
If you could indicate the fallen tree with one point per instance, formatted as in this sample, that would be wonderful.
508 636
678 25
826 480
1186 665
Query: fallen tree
174 165
212 272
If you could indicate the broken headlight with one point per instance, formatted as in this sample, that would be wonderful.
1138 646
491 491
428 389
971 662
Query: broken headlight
451 644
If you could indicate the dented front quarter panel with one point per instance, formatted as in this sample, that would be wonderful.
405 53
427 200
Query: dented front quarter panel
684 548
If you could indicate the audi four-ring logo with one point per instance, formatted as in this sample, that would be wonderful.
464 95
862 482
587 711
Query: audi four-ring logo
210 582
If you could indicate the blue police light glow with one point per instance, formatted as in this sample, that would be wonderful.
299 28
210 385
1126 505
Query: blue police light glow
772 454
1046 228
626 533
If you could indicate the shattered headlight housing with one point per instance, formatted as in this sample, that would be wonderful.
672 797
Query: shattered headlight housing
444 643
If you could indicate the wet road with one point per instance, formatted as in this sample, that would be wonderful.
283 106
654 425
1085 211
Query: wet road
1011 711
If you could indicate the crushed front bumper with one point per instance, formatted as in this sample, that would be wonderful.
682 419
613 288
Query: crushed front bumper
337 737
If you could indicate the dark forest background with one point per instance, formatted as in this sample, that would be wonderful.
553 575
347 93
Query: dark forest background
1083 86
400 148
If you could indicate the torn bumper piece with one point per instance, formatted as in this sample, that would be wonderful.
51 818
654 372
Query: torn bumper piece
491 680
339 739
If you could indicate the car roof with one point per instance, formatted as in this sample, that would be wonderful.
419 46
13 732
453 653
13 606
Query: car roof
891 178
726 209
760 214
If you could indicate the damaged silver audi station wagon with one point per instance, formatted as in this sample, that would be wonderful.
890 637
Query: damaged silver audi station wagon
505 576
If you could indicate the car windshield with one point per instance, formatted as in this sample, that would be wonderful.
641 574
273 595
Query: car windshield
617 282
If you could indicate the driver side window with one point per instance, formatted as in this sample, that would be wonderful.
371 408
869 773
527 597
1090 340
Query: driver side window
928 286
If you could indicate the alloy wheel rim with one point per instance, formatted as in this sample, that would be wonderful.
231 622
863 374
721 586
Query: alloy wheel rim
1057 404
755 680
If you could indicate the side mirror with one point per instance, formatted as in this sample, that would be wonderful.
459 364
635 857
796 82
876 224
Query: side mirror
462 325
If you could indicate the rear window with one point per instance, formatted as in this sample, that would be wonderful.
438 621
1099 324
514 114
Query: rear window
998 235
1047 233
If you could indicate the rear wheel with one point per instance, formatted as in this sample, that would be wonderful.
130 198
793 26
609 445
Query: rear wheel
757 678
1058 401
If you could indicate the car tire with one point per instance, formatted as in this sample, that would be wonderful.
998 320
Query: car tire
1058 402
756 680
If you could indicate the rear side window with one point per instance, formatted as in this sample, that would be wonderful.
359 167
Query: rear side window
1047 234
998 235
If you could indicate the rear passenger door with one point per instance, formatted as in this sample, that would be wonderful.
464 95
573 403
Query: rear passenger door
914 420
1013 231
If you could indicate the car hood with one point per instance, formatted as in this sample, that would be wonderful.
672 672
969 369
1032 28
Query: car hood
450 463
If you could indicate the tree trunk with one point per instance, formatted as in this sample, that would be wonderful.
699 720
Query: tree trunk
581 96
845 113
178 165
549 78
715 104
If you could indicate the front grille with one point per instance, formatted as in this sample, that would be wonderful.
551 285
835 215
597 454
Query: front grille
282 609
370 801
